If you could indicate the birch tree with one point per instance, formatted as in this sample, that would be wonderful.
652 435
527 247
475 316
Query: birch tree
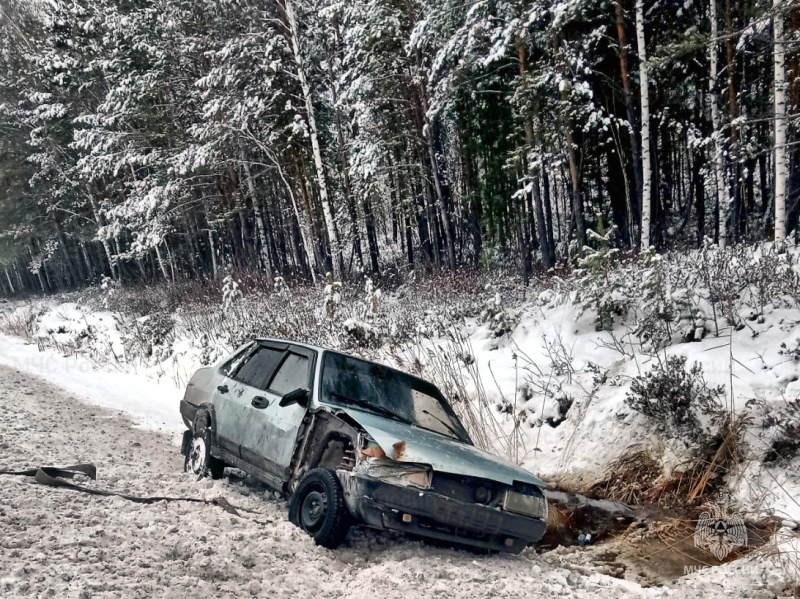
330 225
629 106
164 140
719 167
647 181
780 122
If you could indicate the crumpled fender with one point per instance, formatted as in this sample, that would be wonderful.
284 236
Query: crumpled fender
407 443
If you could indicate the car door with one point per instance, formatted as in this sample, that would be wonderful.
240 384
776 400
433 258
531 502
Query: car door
225 405
241 393
272 429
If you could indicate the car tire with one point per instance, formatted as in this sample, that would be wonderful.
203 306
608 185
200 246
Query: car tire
317 506
198 459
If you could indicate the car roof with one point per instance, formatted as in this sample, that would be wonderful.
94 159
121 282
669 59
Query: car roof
319 348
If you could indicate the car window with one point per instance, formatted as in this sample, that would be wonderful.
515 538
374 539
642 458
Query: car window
257 370
293 374
237 359
357 383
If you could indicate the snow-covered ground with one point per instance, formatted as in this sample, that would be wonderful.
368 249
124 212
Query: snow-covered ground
599 427
65 544
151 404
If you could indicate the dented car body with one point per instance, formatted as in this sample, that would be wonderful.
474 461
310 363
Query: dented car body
351 440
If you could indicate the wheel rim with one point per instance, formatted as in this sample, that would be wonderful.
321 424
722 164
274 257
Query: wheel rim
197 457
313 510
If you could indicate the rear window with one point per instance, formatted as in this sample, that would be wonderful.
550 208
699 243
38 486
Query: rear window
256 371
293 374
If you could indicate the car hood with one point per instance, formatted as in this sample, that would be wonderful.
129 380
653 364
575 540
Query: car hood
442 453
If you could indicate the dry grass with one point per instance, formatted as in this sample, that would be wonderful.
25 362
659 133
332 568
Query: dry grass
20 323
631 479
637 477
728 453
451 365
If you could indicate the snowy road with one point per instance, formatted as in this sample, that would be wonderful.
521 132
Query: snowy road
60 543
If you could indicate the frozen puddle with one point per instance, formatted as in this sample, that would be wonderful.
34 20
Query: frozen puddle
648 544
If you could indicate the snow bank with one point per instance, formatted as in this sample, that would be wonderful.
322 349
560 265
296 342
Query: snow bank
152 405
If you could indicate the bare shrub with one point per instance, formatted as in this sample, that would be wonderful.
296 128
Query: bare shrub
673 395
451 365
150 336
21 323
785 444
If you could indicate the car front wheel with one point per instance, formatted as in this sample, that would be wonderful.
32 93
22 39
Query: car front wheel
317 506
199 460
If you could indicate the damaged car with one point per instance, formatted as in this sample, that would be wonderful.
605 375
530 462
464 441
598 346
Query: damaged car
351 441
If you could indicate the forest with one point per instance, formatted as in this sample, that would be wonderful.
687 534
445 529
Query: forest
146 141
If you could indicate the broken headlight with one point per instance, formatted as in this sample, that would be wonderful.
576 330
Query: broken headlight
396 473
375 463
528 501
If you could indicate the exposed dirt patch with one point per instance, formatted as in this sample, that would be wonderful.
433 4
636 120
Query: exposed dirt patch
652 545
573 516
660 551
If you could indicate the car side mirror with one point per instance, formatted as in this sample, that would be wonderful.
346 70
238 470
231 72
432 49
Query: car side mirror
298 396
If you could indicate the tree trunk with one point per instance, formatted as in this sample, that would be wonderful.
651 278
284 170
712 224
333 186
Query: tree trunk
427 134
346 185
734 201
636 155
699 197
548 258
548 209
574 174
444 213
719 167
62 243
161 264
333 238
763 182
780 122
372 237
409 243
86 261
305 229
106 246
647 177
259 216
8 278
213 250
171 259
305 232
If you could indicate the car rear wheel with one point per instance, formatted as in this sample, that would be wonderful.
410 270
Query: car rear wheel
199 460
317 506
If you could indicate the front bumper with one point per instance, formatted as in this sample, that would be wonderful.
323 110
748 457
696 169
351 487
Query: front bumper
380 504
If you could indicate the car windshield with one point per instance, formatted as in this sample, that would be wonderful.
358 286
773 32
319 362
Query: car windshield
356 383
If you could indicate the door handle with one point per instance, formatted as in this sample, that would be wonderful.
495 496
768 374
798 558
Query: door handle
222 388
259 402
